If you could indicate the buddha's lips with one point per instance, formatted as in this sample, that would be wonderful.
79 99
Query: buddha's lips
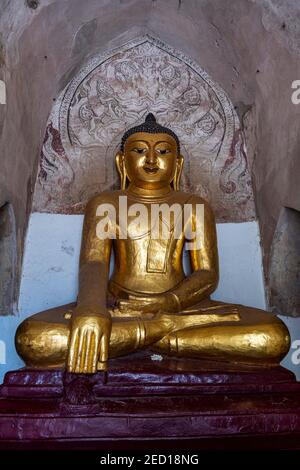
149 169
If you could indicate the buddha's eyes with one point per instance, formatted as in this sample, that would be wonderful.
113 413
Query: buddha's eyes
140 151
163 151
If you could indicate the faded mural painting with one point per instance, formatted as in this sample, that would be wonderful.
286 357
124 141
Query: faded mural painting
115 91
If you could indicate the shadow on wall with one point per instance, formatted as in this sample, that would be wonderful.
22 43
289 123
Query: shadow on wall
284 283
7 259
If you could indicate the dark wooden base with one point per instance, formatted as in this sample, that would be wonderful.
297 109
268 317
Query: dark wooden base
142 403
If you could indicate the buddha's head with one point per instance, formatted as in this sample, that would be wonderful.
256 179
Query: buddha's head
150 156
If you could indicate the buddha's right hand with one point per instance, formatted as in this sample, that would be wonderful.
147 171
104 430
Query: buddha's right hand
89 339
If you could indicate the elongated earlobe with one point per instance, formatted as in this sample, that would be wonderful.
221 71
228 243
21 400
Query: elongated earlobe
178 172
121 169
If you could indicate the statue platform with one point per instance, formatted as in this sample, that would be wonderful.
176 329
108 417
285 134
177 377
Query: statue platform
151 402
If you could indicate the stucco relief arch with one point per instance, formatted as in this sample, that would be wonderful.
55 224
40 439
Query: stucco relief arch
113 92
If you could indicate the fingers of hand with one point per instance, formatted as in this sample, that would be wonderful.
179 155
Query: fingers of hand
85 364
81 351
103 357
73 350
84 350
138 305
94 353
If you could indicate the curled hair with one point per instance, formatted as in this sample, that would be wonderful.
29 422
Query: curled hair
150 126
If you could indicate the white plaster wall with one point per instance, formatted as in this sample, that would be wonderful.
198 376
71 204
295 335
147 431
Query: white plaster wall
241 274
50 267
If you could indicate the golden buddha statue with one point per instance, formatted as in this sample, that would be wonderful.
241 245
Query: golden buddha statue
148 301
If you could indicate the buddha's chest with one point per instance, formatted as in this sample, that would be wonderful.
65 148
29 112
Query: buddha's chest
149 237
147 253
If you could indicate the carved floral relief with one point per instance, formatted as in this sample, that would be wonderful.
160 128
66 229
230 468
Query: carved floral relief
114 92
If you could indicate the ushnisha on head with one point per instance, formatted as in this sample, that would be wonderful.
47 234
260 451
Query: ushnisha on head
149 156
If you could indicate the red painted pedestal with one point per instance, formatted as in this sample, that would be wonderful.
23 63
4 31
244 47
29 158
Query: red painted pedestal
151 404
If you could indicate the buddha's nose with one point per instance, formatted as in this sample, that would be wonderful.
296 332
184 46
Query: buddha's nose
151 158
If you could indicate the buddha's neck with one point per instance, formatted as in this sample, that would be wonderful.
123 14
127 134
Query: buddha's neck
149 193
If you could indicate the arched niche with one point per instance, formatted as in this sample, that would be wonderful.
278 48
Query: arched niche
114 91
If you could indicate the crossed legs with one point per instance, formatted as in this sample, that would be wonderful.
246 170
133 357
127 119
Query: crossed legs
210 330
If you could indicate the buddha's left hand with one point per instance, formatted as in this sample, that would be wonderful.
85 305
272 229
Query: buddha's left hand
165 303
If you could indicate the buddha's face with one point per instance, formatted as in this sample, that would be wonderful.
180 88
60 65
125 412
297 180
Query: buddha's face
150 159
